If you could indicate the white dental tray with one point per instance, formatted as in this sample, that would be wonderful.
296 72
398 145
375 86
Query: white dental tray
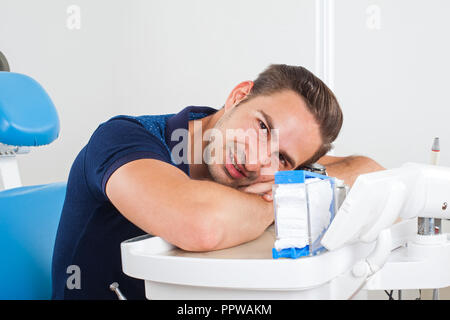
246 271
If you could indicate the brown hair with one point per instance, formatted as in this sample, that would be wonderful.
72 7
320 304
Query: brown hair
319 99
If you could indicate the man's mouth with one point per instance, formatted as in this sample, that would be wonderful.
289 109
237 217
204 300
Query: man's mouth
235 170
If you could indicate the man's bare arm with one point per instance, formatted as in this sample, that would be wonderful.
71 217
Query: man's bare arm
191 214
349 168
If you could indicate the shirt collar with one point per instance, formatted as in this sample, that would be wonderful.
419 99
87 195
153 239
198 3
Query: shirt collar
181 121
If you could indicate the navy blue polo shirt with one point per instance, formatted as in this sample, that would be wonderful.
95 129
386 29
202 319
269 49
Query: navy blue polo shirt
91 228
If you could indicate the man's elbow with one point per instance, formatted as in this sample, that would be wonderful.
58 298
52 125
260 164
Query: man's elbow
355 163
203 235
368 165
208 237
360 165
349 168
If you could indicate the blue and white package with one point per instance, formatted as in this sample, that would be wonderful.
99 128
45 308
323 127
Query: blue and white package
304 204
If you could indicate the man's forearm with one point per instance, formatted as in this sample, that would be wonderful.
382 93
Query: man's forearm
195 215
235 216
349 168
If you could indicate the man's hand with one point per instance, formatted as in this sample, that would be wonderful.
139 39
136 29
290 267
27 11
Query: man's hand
264 189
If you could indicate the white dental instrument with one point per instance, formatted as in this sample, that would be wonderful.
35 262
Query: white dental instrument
378 199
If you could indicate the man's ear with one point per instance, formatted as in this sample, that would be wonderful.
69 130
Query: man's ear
238 94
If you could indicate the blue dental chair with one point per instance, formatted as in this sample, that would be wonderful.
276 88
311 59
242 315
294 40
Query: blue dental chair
29 215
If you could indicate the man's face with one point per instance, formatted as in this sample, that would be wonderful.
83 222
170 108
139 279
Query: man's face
251 150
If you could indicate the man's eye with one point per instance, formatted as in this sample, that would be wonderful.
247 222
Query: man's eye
262 125
282 159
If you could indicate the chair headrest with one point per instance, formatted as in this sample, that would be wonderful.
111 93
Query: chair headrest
28 116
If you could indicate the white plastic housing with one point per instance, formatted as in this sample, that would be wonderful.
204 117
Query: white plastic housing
377 199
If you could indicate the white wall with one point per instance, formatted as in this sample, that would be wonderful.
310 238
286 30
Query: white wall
143 57
392 82
79 70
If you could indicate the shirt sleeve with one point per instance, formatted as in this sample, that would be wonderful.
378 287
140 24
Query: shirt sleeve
115 143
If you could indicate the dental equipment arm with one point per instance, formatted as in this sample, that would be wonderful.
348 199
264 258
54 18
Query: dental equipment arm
377 199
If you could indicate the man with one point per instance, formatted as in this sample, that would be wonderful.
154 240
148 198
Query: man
184 178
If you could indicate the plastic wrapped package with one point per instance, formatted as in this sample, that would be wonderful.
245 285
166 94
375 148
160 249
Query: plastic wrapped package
304 204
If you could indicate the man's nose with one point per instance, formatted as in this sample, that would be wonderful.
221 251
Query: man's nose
253 167
256 165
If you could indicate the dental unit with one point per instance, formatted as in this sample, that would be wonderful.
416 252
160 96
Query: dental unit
362 248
